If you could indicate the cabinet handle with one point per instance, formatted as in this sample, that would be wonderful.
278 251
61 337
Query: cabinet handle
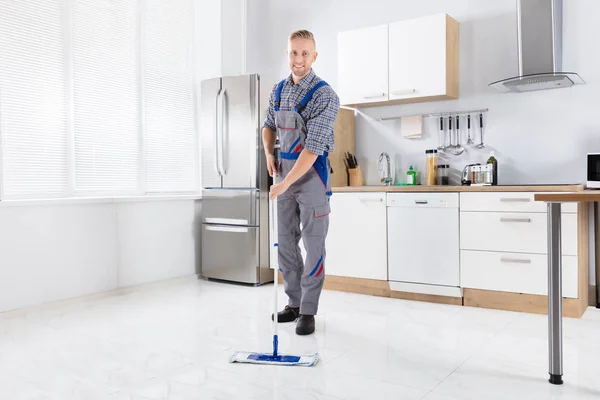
515 200
371 200
515 219
401 92
375 96
515 260
421 202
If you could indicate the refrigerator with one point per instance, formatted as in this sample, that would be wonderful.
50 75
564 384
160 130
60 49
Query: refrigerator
235 182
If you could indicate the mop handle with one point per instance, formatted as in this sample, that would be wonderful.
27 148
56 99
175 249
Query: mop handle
275 237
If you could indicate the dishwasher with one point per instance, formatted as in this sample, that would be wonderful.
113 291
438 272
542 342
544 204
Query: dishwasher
423 243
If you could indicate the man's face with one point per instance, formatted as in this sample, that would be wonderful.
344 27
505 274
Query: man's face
301 55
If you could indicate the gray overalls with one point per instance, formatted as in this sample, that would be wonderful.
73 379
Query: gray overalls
306 202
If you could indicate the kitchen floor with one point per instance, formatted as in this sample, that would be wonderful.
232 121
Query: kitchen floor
173 341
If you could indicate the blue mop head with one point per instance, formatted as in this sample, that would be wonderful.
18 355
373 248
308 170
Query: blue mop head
280 359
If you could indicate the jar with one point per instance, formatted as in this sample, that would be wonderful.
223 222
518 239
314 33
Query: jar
476 174
431 167
442 174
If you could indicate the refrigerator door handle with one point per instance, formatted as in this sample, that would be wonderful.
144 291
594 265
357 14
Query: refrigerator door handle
218 118
235 229
221 124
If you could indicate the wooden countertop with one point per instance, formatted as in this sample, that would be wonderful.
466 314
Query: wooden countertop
583 196
569 189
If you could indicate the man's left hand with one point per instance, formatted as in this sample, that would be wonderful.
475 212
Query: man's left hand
278 189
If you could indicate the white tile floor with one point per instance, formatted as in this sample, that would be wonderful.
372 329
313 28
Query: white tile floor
173 342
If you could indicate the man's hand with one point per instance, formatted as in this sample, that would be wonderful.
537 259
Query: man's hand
278 189
301 166
272 164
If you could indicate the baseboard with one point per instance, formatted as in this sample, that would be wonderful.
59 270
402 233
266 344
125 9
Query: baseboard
50 305
429 298
382 289
357 285
519 302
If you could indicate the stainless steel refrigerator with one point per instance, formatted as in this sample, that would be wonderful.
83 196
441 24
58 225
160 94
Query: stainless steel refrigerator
235 182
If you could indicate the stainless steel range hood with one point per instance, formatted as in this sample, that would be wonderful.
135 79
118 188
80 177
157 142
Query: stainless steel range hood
539 39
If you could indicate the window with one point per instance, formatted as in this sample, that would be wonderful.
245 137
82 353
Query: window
97 98
170 140
106 101
33 106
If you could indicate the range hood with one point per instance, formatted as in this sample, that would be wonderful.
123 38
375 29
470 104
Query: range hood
539 40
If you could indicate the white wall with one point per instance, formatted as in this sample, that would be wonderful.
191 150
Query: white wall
59 251
207 39
559 125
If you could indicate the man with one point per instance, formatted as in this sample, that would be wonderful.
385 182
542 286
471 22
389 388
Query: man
302 112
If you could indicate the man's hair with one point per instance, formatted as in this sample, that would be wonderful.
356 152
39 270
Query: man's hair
302 34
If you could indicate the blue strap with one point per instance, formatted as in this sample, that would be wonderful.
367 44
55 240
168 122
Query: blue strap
308 96
289 156
278 95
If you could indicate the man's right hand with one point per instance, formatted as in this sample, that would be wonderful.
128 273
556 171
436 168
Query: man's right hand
272 164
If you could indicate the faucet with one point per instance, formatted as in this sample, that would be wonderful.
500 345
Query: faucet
386 175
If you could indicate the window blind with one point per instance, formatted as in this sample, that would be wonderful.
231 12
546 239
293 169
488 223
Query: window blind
33 126
106 96
170 140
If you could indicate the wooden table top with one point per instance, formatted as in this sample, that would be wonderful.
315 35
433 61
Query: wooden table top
439 188
586 196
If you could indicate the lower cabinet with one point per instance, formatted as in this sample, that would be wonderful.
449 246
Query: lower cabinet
503 242
514 272
357 240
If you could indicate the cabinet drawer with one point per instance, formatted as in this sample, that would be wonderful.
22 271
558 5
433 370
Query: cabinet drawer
507 202
517 273
514 232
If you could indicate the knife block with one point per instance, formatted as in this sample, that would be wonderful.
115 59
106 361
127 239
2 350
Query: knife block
355 177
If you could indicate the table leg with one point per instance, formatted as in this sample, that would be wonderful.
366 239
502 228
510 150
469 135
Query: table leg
597 250
554 295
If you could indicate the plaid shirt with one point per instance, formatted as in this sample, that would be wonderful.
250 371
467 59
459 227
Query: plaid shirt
319 115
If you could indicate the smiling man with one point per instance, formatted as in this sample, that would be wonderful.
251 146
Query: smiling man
302 112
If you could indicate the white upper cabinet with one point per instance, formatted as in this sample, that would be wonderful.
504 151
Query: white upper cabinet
416 61
419 56
363 65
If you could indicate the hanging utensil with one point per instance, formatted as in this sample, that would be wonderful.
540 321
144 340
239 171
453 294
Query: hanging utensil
441 139
469 141
450 134
481 145
458 149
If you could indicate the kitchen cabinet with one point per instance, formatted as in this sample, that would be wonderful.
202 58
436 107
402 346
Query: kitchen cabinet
515 272
356 243
503 241
423 59
363 65
407 61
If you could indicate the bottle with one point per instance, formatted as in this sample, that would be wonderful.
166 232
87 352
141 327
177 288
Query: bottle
411 176
494 166
431 167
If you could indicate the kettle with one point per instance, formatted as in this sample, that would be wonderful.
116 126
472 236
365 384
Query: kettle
466 174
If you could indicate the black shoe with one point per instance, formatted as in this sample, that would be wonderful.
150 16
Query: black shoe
288 314
306 325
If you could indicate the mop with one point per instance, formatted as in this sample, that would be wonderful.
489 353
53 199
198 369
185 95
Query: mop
274 358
